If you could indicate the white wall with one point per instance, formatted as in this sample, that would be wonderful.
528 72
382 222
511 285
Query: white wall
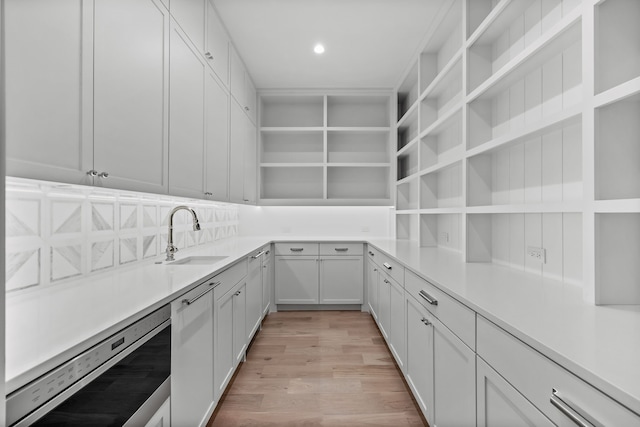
328 221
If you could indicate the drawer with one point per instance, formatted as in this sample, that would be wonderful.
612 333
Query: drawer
536 377
455 315
229 278
341 248
387 264
295 248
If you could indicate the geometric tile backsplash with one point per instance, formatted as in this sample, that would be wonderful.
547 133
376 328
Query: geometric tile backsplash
59 232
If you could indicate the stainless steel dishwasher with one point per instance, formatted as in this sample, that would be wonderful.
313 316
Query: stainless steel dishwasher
122 381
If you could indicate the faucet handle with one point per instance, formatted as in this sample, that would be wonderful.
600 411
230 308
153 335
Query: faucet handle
170 251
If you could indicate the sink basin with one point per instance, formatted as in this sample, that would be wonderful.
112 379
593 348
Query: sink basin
197 260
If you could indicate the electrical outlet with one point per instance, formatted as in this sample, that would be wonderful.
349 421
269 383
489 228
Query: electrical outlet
536 253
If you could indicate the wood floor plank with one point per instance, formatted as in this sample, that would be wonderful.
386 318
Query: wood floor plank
325 368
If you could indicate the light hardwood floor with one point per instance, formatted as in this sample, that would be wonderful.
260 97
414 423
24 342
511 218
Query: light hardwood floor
319 368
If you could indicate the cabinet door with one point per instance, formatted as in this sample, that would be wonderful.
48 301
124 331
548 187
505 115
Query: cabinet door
130 94
224 360
384 305
372 288
296 280
190 15
419 361
239 323
217 140
192 381
48 89
250 98
250 162
236 77
186 112
397 322
236 154
267 284
501 405
217 45
341 280
162 417
455 379
254 296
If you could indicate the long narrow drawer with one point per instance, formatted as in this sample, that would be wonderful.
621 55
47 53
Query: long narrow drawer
387 264
555 391
295 248
229 278
341 248
455 315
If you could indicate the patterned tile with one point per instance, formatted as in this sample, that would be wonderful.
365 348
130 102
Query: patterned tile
22 269
22 218
66 261
149 216
66 217
102 255
102 216
149 246
128 216
220 215
128 250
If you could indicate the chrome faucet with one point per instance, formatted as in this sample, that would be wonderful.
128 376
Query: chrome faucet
196 227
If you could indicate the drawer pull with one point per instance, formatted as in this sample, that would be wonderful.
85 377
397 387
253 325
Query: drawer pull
386 281
371 253
341 249
570 409
431 300
387 265
425 321
237 293
296 249
192 300
258 255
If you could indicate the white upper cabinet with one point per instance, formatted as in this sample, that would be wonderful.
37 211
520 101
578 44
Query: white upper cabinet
130 107
49 126
217 139
186 112
242 88
190 14
242 157
217 45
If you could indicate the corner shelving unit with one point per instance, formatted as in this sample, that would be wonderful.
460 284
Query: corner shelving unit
518 129
325 148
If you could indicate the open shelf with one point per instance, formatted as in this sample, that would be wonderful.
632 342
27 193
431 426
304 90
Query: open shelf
357 111
617 254
545 168
407 195
505 238
408 129
442 189
542 86
514 27
292 182
441 230
478 11
357 146
617 43
408 92
445 96
358 182
292 147
408 162
443 142
443 44
292 111
408 227
617 148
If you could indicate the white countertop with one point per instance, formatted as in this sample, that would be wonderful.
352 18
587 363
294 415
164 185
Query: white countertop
600 344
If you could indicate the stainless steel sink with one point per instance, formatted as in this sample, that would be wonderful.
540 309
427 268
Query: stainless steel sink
197 260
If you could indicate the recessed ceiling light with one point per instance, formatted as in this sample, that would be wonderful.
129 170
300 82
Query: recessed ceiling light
319 49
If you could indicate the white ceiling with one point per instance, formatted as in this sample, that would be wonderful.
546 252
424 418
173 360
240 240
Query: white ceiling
369 43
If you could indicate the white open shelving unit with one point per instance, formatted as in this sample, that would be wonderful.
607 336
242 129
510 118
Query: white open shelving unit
329 148
518 130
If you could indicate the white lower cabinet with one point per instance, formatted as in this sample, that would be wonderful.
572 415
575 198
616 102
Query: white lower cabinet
372 288
254 294
267 282
397 337
384 305
239 323
192 352
297 279
501 405
162 417
341 279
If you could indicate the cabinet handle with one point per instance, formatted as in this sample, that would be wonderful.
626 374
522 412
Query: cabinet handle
246 108
237 293
246 200
296 249
371 253
572 411
386 281
341 249
92 172
258 255
104 175
208 194
387 265
187 301
426 321
431 300
267 253
375 269
208 55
